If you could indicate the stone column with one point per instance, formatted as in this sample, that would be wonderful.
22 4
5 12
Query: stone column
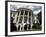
31 21
27 20
12 14
20 27
23 21
17 27
18 19
15 17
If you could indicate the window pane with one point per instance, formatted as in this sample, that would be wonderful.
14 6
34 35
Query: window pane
20 20
29 13
18 13
26 12
22 11
29 20
25 19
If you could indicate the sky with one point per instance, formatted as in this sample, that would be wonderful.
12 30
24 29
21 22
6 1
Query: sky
35 9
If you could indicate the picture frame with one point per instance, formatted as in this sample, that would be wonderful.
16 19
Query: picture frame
11 4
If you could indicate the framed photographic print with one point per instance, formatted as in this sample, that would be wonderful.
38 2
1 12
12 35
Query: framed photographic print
24 18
